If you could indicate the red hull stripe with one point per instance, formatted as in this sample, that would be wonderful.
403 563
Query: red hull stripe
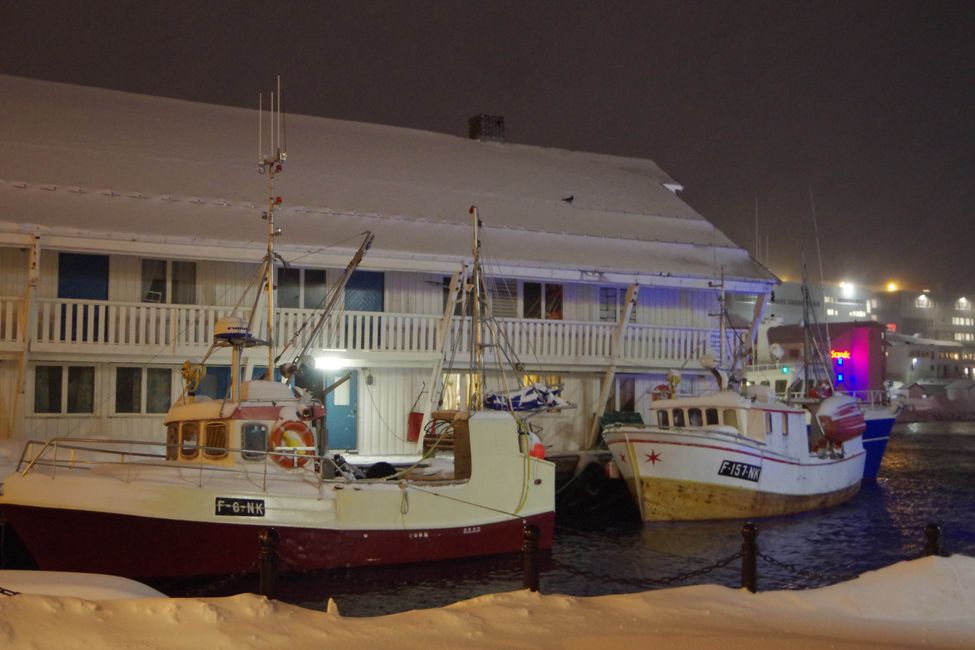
143 547
729 449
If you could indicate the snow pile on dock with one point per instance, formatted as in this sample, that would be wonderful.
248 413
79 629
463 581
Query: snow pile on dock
922 603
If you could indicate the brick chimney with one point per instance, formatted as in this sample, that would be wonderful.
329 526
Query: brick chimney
486 127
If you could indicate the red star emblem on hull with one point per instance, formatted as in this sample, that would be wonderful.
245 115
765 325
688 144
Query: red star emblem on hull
653 457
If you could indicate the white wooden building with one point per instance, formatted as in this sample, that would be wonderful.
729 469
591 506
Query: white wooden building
129 223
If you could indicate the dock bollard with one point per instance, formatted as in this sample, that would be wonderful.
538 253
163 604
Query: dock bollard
749 552
933 534
529 549
268 560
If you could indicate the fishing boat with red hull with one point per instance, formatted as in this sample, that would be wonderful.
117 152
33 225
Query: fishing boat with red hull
231 468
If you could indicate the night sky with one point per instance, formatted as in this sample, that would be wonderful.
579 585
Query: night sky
865 110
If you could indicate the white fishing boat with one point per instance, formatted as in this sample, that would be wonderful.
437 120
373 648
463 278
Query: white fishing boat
233 467
729 456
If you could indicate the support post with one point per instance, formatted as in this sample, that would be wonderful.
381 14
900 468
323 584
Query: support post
268 561
610 375
933 534
26 329
529 549
454 292
749 554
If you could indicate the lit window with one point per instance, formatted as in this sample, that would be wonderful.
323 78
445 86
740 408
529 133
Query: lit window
831 312
191 440
963 304
215 445
922 302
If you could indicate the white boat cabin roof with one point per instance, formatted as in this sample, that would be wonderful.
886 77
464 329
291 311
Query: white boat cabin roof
722 400
103 171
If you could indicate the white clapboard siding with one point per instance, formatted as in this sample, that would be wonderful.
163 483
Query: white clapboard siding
414 293
384 405
13 271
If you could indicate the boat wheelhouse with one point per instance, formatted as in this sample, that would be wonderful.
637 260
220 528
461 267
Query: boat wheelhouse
730 456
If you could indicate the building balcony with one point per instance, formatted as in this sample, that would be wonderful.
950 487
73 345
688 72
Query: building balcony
148 332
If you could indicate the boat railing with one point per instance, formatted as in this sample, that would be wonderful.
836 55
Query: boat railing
89 453
869 397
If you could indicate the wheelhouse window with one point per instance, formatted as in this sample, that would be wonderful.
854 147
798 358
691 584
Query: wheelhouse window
731 418
678 417
254 441
711 416
172 441
542 300
190 440
694 417
143 390
663 418
52 394
215 443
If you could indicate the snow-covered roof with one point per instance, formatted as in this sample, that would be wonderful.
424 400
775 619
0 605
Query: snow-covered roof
90 168
895 339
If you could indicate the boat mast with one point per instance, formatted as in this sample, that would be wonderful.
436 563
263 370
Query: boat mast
477 346
270 164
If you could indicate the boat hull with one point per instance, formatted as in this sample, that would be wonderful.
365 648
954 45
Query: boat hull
875 438
711 475
673 500
147 547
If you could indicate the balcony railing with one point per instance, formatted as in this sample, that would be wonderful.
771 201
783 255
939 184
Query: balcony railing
103 327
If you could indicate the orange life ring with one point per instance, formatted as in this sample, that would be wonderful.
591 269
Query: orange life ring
291 433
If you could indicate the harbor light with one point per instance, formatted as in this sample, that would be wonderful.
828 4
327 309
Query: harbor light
847 289
892 286
331 360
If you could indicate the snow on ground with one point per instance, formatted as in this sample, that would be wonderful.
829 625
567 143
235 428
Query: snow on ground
923 603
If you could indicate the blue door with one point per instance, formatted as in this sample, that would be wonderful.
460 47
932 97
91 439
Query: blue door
82 277
341 410
364 292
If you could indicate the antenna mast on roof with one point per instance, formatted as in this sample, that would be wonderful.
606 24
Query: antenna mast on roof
270 164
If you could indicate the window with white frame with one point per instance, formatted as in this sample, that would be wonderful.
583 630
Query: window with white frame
64 389
143 390
305 288
611 303
542 300
169 282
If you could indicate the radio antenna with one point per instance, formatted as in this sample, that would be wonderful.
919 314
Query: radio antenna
270 164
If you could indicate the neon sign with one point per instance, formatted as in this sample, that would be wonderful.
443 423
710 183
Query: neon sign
839 354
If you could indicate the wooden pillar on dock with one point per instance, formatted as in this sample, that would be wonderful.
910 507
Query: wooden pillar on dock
610 375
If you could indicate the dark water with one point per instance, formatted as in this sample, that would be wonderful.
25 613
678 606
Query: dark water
927 476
